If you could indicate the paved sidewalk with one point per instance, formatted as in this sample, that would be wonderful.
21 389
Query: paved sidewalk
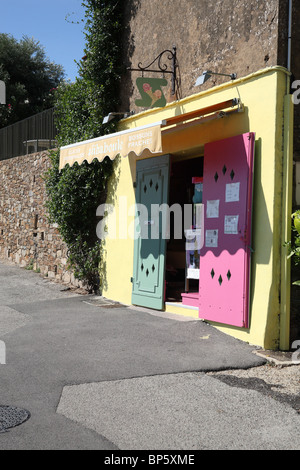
113 377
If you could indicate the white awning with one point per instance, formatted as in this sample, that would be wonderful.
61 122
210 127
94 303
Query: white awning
111 145
139 139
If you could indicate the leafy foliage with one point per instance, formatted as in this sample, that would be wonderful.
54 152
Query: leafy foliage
30 78
294 245
75 193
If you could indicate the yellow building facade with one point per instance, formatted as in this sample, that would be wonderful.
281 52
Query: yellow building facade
261 104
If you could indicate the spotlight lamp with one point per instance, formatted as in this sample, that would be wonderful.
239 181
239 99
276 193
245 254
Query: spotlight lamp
207 74
111 116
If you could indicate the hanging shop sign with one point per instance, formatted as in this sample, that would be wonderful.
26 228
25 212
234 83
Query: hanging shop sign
152 95
151 88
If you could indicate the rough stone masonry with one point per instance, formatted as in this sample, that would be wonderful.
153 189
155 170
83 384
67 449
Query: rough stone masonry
26 236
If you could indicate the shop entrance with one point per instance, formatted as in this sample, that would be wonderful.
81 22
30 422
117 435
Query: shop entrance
198 251
183 246
163 268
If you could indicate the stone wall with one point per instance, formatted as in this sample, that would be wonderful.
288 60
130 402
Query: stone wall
240 36
225 36
295 62
26 236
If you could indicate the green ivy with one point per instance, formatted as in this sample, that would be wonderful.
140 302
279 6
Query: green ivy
75 193
294 245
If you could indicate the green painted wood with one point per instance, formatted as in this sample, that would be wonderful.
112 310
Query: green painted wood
152 188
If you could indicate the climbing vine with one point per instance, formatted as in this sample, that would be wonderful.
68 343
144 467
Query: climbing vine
294 245
75 192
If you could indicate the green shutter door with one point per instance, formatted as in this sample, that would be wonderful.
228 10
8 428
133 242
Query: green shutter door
152 187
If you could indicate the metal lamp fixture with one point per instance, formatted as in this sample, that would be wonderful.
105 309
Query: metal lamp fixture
207 74
111 116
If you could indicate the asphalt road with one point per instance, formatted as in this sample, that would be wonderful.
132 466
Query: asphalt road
117 378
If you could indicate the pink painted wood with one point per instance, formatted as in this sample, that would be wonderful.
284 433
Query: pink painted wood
225 257
191 299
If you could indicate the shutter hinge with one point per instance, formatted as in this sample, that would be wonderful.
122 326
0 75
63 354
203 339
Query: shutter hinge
131 279
134 184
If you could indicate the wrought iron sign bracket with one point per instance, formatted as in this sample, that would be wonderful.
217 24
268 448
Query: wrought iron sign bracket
162 66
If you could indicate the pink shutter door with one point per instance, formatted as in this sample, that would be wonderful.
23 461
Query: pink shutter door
225 256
